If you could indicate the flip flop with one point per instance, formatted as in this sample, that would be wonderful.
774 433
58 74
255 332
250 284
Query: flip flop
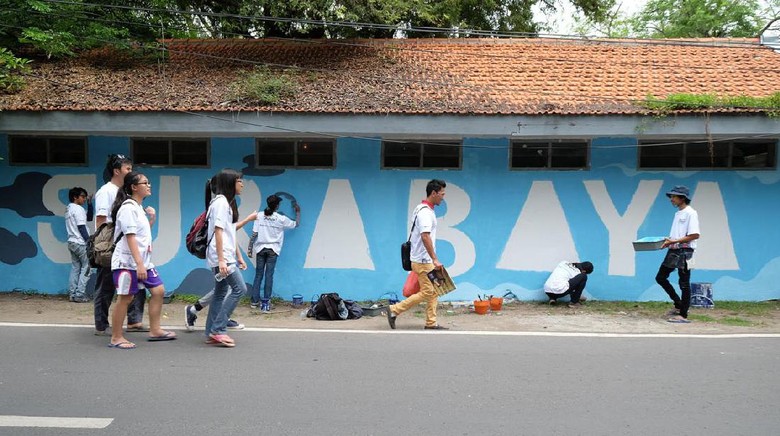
141 329
223 340
679 320
167 336
121 345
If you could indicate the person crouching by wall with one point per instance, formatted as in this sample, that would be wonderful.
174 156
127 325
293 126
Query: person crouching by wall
131 263
568 278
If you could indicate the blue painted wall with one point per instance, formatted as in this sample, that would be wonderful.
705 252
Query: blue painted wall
499 230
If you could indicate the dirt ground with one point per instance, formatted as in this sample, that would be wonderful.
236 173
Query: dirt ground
594 317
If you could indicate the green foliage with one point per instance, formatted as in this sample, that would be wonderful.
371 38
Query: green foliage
676 102
698 19
11 70
262 85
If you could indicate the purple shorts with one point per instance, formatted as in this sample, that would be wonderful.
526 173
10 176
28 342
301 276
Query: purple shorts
126 281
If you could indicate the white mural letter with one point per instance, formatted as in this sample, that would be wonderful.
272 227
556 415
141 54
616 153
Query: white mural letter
715 248
623 229
339 239
169 237
541 237
458 207
54 249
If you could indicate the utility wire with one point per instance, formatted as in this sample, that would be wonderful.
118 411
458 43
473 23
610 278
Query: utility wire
402 28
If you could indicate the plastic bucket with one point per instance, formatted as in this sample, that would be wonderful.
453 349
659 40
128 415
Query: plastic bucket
481 307
297 300
496 303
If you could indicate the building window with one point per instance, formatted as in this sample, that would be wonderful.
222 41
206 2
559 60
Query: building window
179 152
414 154
296 153
701 154
40 150
558 154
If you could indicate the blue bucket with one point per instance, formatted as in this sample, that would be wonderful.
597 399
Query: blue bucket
701 295
297 300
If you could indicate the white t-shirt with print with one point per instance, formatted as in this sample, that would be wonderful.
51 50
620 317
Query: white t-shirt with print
686 222
270 231
558 282
131 220
220 215
104 201
75 216
426 223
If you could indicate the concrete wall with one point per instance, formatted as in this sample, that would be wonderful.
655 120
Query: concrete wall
499 229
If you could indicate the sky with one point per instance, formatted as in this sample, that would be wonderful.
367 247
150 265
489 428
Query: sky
563 21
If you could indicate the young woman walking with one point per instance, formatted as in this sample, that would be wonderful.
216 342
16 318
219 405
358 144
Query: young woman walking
131 263
223 255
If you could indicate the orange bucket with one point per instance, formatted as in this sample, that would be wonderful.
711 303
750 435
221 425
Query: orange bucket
481 307
496 303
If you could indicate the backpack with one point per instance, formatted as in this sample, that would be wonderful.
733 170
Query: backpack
197 239
328 307
101 244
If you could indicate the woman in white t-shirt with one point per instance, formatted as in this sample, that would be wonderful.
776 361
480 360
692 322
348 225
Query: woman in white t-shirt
223 254
131 263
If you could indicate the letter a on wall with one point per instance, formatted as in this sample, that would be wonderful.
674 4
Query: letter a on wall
339 239
541 237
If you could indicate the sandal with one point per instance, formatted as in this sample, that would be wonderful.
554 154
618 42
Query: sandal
224 340
124 345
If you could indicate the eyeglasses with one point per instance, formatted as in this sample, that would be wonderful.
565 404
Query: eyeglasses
147 183
241 181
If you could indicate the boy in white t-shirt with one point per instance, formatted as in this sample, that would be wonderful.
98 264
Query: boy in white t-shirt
76 225
681 244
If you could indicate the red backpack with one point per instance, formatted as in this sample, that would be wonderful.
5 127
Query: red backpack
197 239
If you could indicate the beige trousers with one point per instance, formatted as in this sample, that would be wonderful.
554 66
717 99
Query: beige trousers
426 294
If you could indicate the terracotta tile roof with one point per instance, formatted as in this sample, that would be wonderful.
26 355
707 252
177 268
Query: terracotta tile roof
418 76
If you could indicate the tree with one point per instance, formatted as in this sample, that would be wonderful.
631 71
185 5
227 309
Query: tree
698 19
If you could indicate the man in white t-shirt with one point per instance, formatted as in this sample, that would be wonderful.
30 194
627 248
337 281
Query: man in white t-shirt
76 226
423 256
114 173
568 278
681 243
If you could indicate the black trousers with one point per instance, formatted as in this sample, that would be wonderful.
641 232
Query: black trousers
677 259
104 295
576 286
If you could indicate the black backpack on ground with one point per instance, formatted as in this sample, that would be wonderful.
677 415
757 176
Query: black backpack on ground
328 307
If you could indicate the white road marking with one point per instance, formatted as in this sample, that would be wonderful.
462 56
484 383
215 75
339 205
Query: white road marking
448 332
53 422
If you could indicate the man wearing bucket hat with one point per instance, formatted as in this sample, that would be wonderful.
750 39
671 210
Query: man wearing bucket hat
568 278
681 243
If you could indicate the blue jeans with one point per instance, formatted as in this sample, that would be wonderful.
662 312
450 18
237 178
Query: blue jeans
226 295
266 263
79 271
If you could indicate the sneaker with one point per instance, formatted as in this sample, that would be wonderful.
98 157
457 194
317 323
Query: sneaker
265 307
253 305
391 318
435 327
553 302
234 325
190 317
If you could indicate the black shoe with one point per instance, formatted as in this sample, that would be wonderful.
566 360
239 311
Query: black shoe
436 327
391 318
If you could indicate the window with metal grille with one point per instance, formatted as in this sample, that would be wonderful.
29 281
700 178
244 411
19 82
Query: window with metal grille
178 152
703 154
47 150
296 153
557 154
421 154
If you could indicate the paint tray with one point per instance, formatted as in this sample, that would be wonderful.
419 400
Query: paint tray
649 243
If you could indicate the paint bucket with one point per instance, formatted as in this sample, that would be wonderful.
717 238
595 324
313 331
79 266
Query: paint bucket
297 300
481 306
701 295
496 303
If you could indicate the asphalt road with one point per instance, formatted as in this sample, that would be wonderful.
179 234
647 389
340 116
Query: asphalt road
390 383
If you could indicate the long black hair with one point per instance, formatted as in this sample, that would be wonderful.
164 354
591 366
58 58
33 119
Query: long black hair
125 192
224 183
